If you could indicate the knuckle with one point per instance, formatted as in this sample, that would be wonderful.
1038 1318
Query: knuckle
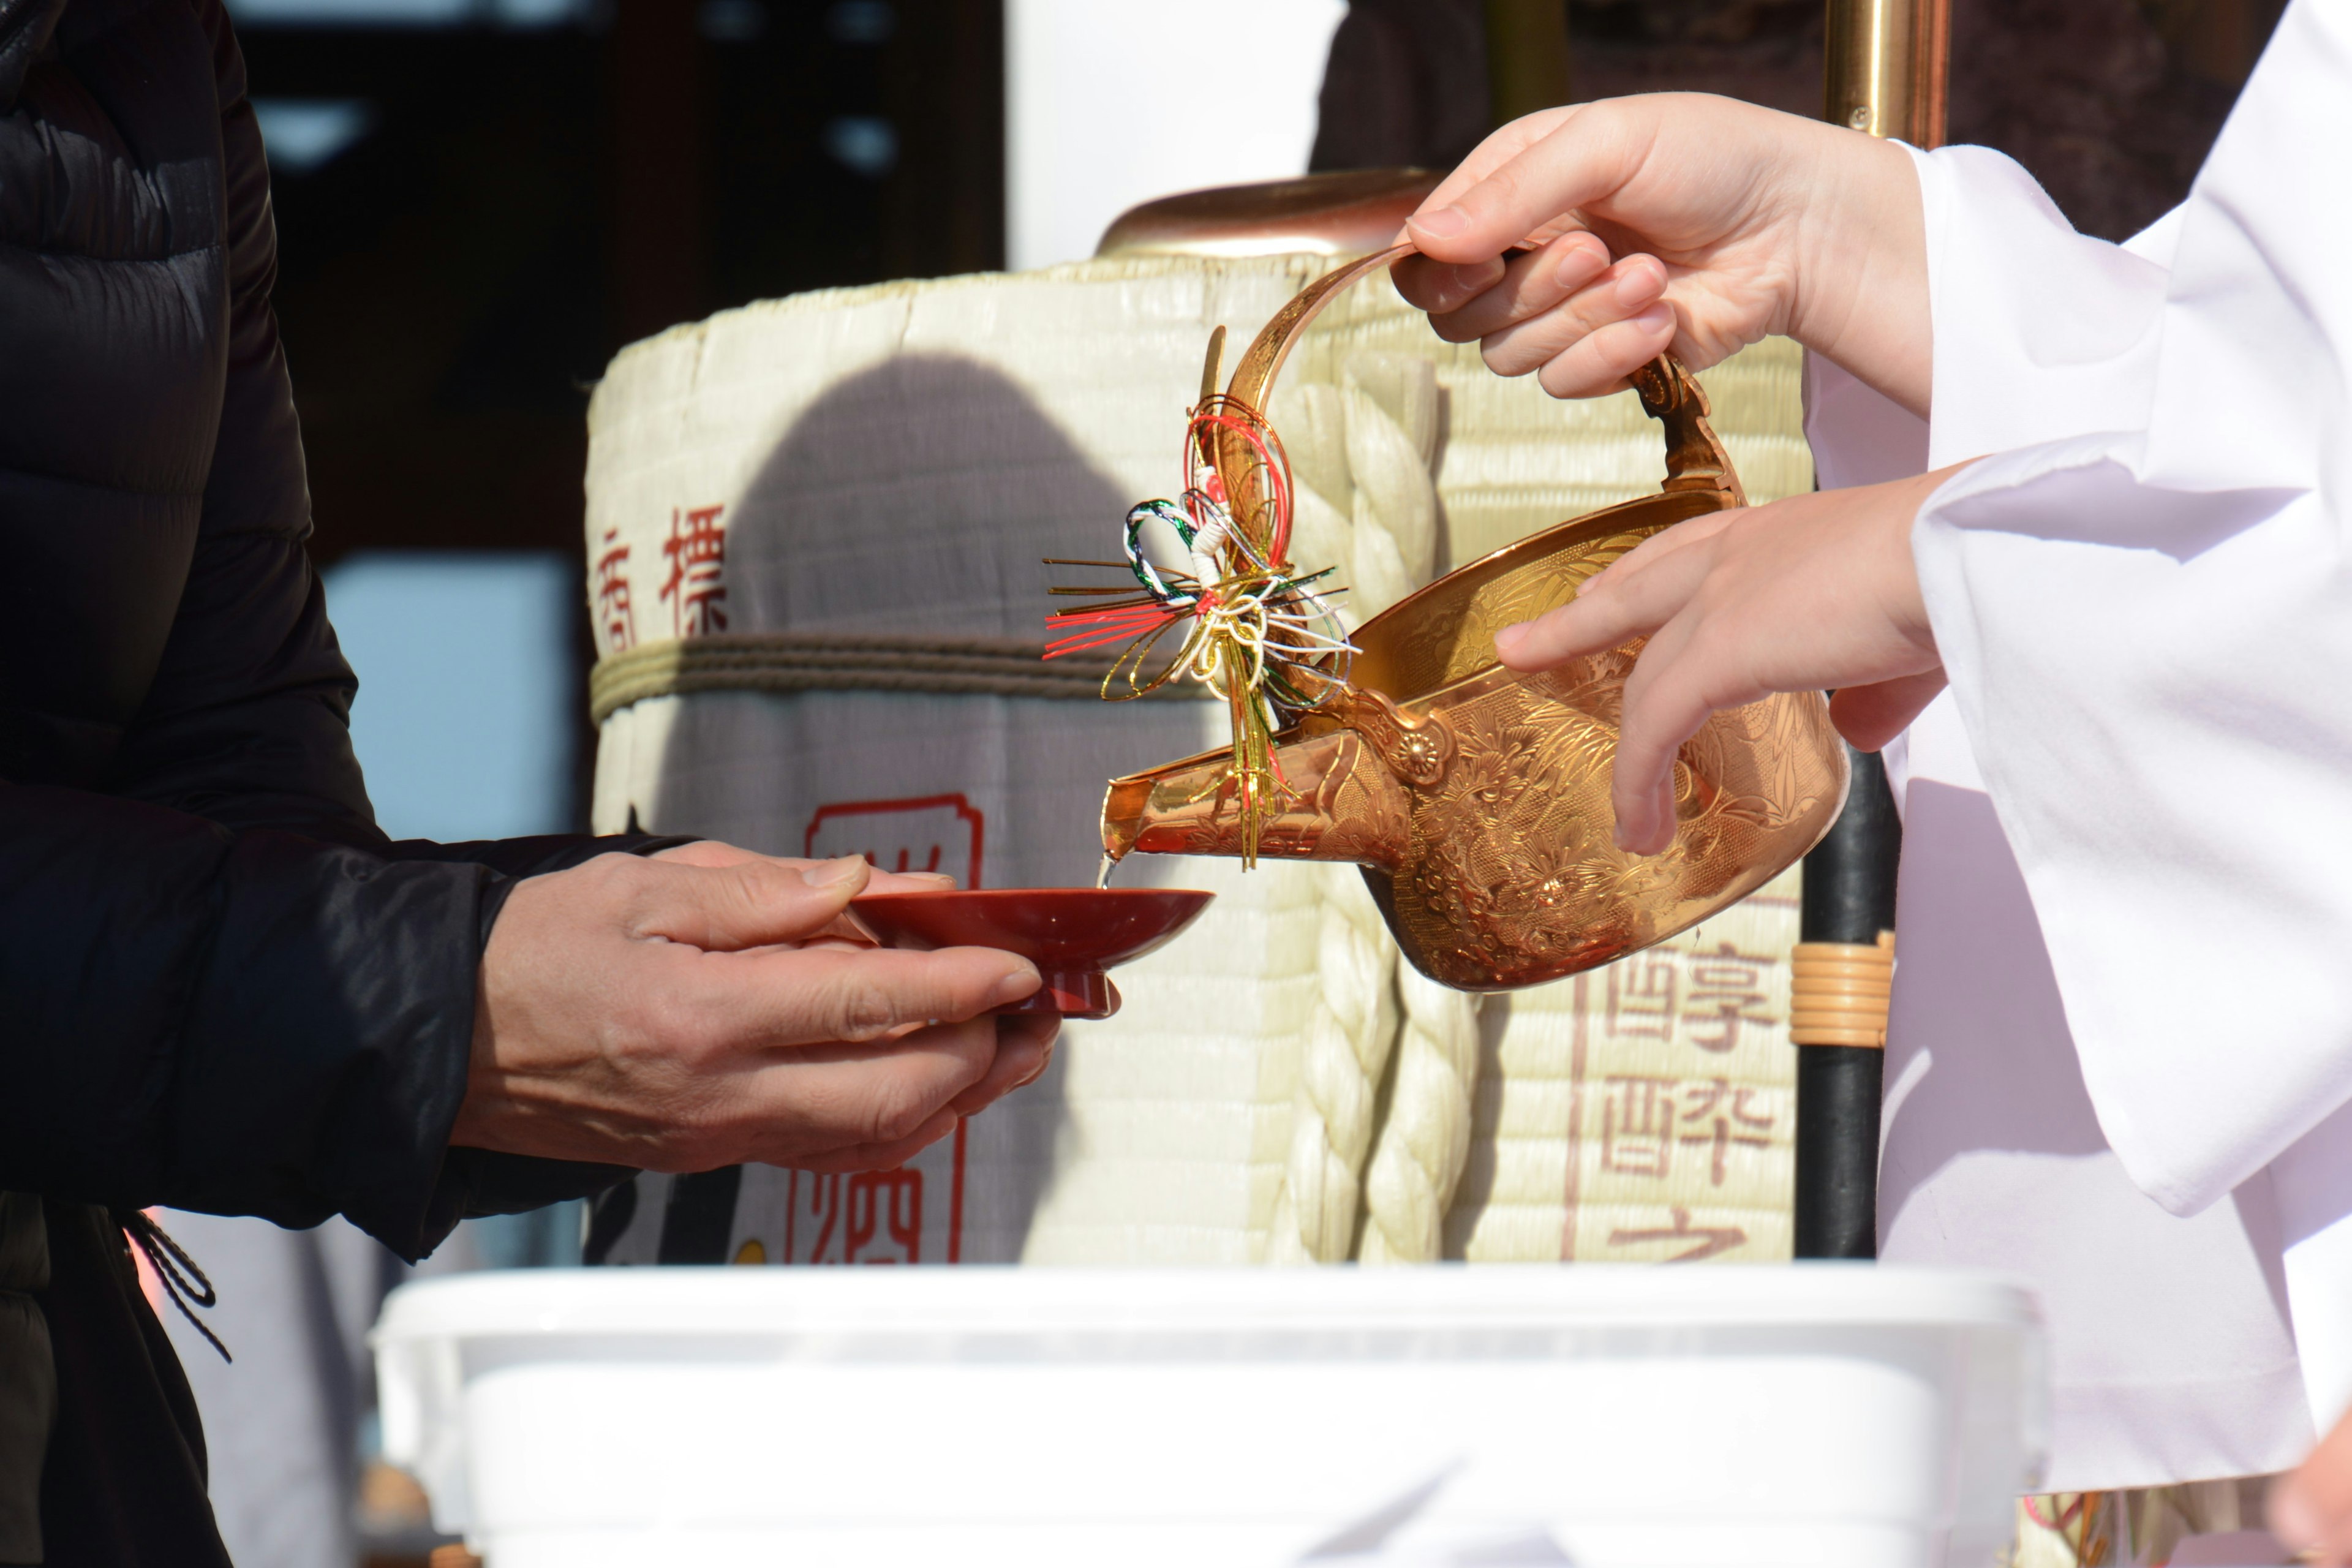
899 1113
1595 308
692 1045
680 1030
1502 358
605 875
862 1008
751 886
1501 189
1564 375
1450 327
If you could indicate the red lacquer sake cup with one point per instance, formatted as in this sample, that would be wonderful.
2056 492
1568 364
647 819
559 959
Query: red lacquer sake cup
1072 934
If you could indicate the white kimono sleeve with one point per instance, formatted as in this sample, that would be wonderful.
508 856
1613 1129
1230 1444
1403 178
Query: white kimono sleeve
2148 625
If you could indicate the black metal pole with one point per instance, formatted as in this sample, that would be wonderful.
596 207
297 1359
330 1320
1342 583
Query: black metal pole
1849 898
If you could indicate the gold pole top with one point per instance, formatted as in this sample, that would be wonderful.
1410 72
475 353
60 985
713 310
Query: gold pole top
1885 67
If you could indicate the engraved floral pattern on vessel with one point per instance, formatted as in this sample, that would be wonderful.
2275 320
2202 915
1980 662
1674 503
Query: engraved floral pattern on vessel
1477 800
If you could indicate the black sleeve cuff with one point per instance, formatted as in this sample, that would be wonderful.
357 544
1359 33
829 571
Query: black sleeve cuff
478 1182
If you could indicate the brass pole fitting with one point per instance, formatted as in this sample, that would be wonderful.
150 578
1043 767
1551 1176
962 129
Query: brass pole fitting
1885 68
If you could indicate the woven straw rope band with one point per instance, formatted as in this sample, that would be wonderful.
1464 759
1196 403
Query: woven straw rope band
833 661
1839 990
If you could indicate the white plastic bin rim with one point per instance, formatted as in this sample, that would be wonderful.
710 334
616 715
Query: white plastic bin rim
870 1301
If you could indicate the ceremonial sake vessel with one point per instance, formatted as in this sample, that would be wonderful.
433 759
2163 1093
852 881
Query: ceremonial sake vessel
1474 798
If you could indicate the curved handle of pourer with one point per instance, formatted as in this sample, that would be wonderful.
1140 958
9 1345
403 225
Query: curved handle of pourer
1262 360
1696 459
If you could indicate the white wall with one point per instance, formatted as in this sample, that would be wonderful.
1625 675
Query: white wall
1111 102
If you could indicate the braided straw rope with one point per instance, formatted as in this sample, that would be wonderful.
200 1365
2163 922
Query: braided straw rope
1346 1047
1423 1144
841 661
1368 503
1425 1141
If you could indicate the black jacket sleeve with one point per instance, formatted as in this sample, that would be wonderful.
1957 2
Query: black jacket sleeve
227 991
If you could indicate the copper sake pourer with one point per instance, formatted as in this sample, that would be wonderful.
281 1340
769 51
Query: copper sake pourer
1477 799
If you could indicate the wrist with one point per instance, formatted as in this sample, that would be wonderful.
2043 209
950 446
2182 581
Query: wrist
1903 597
1860 294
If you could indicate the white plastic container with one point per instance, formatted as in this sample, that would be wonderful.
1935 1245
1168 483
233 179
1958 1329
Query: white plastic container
1826 1416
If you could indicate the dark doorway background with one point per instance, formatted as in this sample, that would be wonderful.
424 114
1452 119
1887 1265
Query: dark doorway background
524 201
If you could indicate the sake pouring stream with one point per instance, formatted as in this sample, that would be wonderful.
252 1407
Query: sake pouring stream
1477 799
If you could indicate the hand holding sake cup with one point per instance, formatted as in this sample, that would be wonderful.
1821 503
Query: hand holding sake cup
1074 935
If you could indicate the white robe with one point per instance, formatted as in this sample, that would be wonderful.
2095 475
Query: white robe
2120 1056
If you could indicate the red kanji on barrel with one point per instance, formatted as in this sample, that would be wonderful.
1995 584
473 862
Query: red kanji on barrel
615 617
696 586
877 1216
928 833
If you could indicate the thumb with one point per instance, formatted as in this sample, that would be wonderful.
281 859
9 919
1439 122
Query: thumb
755 902
1580 157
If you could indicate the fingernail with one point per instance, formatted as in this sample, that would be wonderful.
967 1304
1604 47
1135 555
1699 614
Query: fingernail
1443 224
1658 318
1014 985
1639 286
834 873
1508 639
1473 277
